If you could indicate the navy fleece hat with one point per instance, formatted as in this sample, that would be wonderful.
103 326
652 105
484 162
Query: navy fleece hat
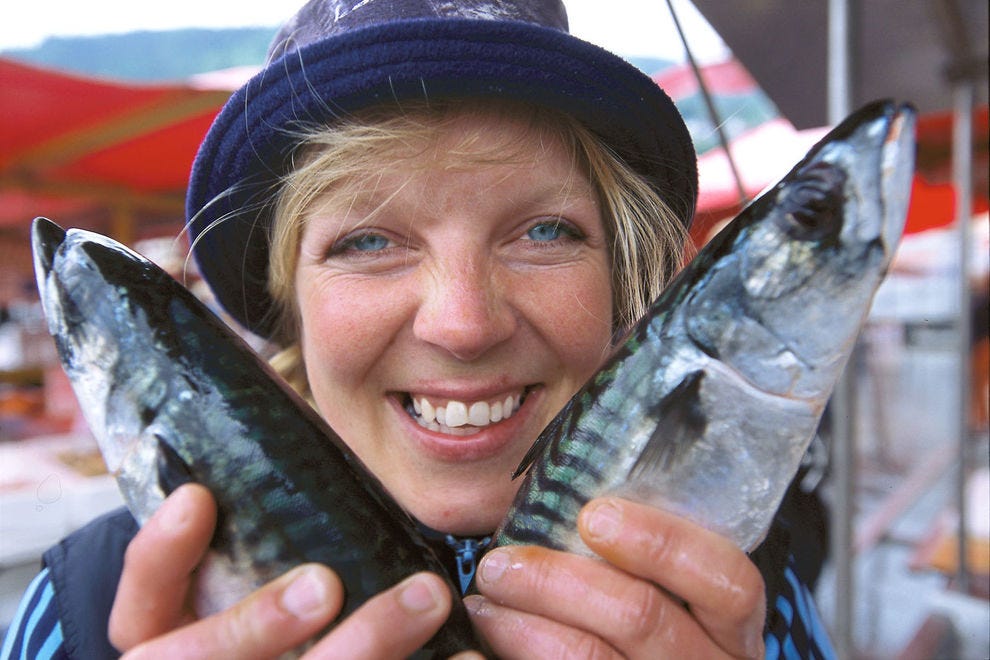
339 56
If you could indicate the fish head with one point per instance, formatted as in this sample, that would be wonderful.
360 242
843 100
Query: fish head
791 279
93 318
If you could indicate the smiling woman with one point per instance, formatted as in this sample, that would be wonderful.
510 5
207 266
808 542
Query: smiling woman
343 167
444 214
483 238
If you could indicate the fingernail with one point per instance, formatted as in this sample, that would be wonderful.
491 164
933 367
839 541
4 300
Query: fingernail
477 606
467 655
173 516
604 521
305 594
419 595
494 565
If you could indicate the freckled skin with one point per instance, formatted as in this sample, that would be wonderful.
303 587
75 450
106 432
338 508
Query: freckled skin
474 291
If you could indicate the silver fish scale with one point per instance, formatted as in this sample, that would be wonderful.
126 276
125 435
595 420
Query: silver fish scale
708 407
597 451
172 395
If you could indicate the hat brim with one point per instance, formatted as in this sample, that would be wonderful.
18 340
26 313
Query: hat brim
245 152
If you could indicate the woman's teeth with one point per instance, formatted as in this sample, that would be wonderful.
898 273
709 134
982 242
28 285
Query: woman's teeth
457 414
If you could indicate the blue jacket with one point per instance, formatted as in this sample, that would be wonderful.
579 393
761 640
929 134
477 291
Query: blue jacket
70 600
64 613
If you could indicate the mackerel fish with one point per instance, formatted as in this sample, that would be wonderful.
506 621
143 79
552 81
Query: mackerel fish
709 405
173 395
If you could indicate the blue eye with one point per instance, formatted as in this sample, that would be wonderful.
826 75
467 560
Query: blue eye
545 231
368 243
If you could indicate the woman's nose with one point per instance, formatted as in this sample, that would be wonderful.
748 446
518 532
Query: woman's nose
464 310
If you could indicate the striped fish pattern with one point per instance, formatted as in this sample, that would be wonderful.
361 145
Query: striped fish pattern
172 395
708 407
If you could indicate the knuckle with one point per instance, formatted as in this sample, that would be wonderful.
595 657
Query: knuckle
252 623
641 613
745 595
660 550
235 626
589 647
542 571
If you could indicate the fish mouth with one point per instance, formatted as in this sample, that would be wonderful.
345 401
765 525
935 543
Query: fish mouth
897 171
46 238
462 417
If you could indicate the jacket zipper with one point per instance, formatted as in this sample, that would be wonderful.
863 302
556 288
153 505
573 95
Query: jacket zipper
467 552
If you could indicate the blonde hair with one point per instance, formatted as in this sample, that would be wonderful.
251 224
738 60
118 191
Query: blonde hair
645 235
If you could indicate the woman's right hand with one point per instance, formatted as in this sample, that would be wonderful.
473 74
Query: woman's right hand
152 614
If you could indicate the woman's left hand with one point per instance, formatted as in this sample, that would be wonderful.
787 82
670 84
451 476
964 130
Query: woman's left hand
667 588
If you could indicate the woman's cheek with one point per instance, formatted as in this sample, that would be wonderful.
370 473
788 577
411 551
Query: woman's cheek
576 314
339 329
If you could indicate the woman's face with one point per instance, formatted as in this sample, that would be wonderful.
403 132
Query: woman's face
450 308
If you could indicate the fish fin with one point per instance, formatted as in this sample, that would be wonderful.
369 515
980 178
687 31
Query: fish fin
544 440
173 471
681 423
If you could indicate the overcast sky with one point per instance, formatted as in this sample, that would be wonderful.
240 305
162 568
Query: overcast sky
628 27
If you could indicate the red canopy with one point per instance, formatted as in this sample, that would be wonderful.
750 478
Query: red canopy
70 144
721 78
115 157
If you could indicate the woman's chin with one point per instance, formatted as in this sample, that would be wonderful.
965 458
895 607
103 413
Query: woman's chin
466 514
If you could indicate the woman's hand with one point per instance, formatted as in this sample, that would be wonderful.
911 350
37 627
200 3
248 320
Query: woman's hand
152 616
668 588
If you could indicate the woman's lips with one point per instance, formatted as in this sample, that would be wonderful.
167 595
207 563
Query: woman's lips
469 442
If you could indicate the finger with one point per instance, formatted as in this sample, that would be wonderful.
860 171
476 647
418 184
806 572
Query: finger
721 586
277 618
514 634
158 565
395 623
633 615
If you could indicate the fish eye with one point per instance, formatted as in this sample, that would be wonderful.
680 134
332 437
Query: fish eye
813 209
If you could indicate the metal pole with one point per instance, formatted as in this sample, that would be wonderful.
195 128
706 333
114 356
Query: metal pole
962 173
966 70
840 47
840 44
710 105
